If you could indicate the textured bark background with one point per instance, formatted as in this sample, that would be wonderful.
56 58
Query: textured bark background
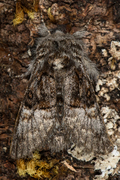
101 18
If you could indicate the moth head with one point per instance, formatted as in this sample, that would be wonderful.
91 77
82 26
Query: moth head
43 31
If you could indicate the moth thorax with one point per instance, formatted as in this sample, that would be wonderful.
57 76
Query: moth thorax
61 62
58 63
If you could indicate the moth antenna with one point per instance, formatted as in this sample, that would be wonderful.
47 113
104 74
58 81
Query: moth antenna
41 16
41 12
43 31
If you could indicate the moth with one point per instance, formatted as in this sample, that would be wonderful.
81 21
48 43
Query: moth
59 108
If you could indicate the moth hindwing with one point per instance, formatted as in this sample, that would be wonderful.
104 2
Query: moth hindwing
59 108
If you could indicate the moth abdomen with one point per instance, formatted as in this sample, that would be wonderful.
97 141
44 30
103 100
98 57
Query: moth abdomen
59 96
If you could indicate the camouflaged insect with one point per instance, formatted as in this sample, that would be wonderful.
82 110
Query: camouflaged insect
59 108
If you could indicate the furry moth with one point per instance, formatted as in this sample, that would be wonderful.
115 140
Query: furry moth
59 107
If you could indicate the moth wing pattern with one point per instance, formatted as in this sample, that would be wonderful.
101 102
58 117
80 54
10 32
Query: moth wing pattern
83 118
59 108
